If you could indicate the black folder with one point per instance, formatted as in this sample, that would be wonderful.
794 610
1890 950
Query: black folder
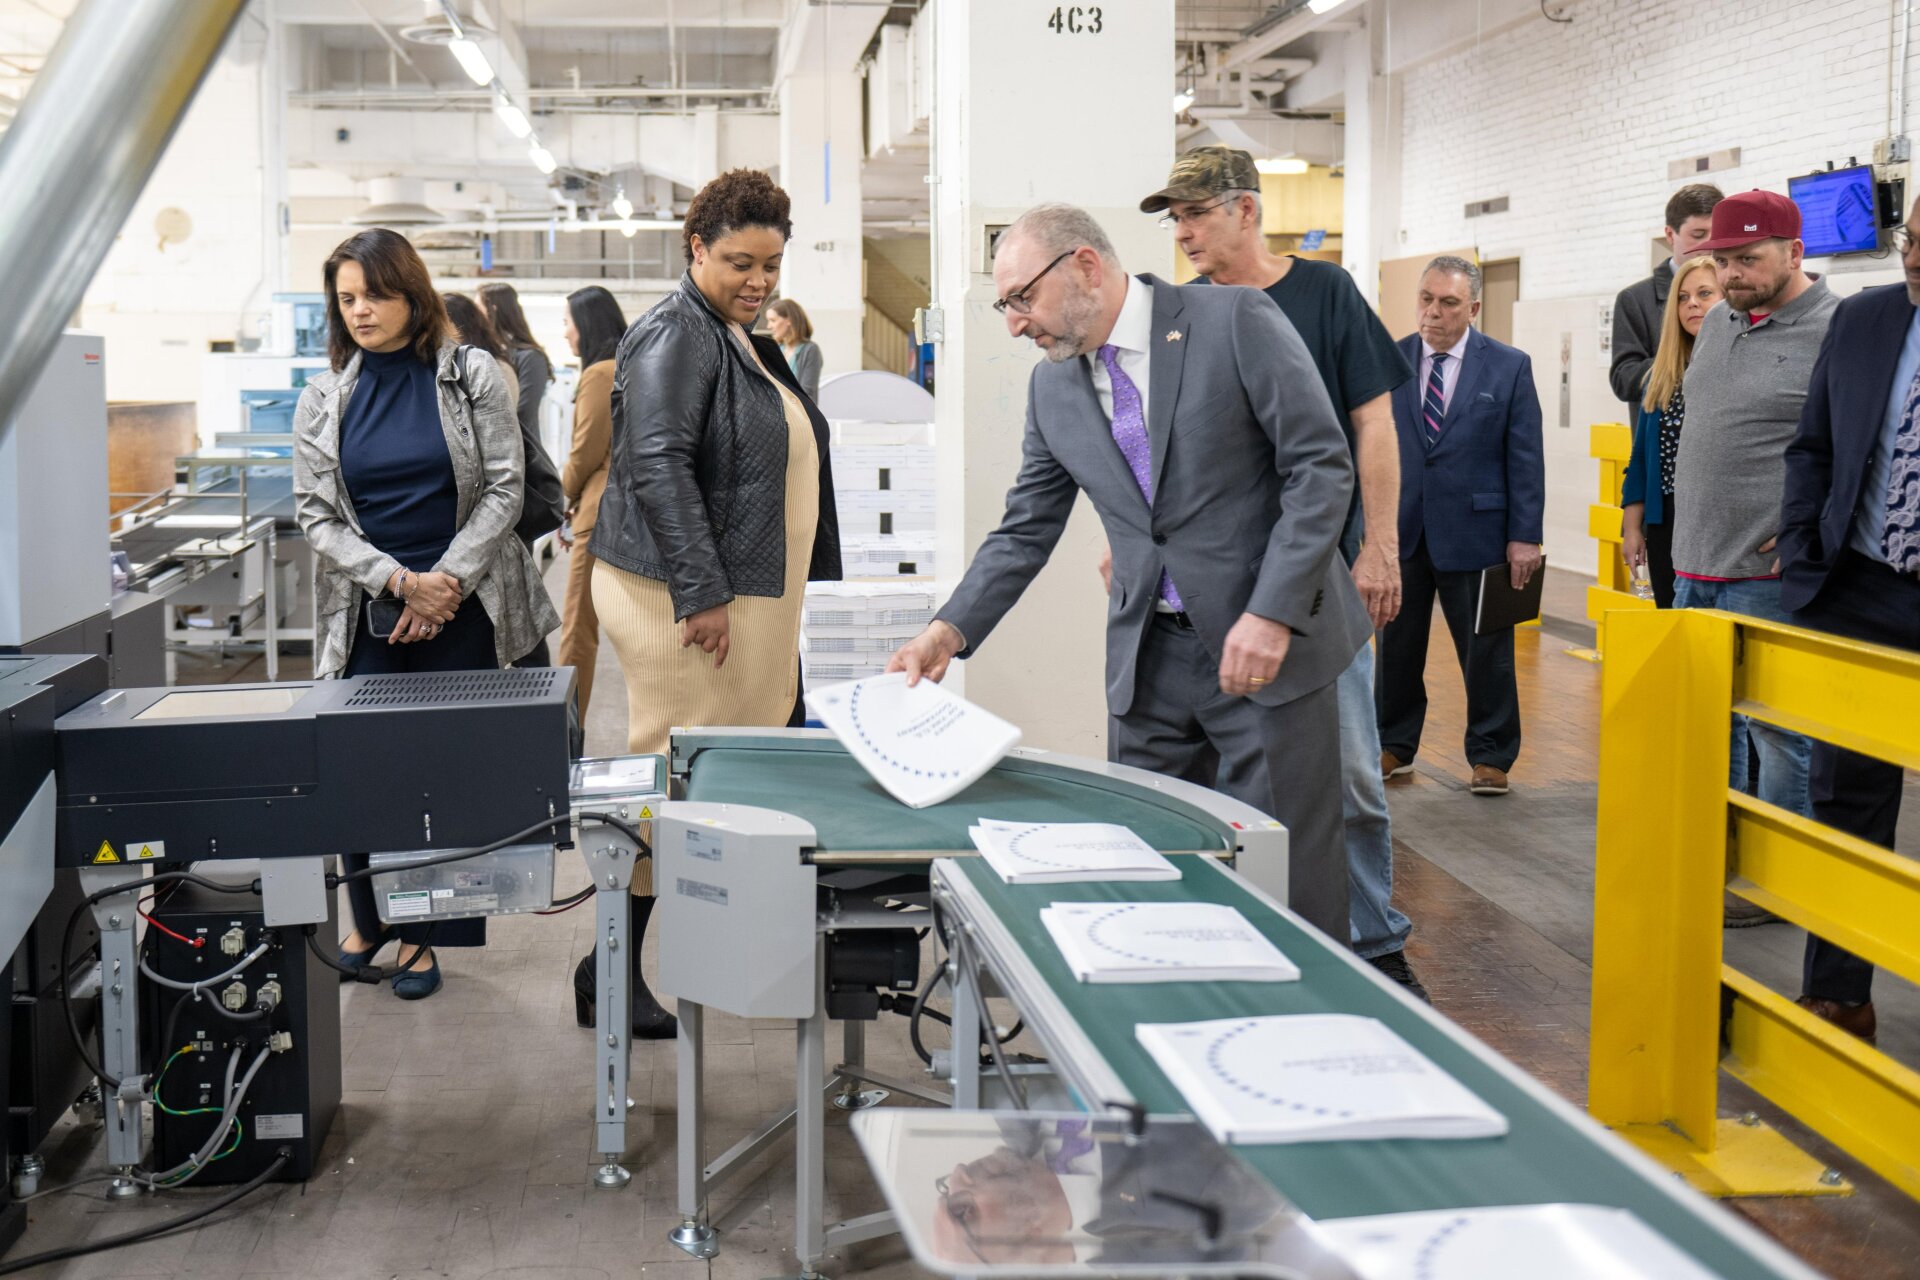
1500 606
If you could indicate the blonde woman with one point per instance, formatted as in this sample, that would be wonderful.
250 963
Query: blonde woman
1646 501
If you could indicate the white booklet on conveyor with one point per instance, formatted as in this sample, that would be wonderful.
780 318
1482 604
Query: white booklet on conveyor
1521 1242
922 744
1320 1077
1163 942
1067 852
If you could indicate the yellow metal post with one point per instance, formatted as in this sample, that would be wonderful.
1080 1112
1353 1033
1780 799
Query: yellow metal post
1611 443
1666 696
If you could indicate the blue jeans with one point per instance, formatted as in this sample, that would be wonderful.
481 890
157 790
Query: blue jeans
1376 929
1784 756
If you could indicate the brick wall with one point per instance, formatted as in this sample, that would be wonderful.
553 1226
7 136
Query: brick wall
1577 123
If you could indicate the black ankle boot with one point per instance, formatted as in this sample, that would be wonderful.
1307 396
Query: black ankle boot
650 1021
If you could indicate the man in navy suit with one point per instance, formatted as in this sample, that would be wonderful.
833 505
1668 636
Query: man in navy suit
1472 489
1850 561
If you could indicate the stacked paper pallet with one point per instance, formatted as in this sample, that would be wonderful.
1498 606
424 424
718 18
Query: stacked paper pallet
883 488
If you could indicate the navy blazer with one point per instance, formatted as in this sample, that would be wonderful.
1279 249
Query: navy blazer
1840 426
1483 483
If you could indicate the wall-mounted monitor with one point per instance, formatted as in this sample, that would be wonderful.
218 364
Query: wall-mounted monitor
1838 211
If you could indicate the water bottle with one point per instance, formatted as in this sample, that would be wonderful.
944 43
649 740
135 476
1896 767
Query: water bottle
1642 584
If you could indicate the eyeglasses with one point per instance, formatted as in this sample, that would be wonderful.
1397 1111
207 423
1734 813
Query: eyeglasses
959 1218
1192 216
1021 299
1902 241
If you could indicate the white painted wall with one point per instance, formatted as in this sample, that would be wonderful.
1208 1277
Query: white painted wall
1576 124
158 307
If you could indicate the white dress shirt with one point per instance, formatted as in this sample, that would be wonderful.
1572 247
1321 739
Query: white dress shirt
1449 374
1133 335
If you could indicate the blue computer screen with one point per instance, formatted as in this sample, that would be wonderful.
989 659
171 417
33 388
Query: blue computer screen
1837 211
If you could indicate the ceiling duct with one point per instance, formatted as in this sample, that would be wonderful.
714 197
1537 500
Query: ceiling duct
396 202
436 26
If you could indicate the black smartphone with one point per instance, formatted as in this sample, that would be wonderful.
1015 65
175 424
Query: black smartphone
383 615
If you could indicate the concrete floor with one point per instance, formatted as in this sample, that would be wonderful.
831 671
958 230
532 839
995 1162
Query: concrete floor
463 1147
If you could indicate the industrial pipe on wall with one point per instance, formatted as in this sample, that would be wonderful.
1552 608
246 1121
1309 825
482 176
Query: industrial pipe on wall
78 153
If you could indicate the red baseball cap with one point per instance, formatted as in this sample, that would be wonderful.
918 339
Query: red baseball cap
1750 217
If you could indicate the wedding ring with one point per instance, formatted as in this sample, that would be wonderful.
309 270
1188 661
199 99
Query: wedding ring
1257 680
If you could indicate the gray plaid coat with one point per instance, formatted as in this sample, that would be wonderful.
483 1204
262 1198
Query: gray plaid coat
483 439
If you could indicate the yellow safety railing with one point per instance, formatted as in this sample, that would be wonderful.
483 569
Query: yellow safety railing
1612 444
1668 1012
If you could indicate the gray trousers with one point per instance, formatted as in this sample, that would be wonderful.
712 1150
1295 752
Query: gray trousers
1284 761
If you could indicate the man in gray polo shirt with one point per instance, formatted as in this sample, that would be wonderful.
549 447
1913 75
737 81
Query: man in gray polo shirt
1745 385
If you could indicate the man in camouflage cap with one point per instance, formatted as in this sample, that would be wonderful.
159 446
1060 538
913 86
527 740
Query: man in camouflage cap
1212 205
1205 173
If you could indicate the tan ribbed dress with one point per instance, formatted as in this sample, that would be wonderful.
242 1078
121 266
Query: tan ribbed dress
671 686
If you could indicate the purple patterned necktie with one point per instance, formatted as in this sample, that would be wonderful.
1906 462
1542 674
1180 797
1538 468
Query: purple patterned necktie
1130 433
1073 1144
1900 540
1434 406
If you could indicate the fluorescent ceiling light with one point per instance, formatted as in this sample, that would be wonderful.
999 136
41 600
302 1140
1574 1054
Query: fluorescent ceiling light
622 206
541 157
1288 166
1182 100
471 59
511 116
1321 6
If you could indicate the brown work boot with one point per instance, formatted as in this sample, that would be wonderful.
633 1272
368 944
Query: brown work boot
1854 1019
1392 766
1488 781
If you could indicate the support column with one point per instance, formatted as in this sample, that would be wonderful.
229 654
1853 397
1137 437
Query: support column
1033 105
820 146
1371 208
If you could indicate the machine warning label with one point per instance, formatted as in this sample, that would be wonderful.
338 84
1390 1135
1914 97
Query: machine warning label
287 1125
146 850
704 845
104 854
646 811
411 902
704 892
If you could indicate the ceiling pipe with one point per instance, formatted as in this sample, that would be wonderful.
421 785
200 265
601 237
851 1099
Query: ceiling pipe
75 158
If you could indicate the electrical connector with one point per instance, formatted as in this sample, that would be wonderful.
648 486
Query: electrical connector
280 1041
233 942
234 996
268 997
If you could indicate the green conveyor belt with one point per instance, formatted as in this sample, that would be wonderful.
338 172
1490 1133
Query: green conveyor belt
849 811
1543 1158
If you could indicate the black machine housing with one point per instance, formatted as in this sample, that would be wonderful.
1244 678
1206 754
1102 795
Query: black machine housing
292 1101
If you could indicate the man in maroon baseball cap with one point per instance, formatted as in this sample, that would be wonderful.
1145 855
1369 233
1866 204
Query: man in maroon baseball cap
1756 248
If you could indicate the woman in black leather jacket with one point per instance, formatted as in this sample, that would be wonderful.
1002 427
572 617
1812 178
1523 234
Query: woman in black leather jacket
718 508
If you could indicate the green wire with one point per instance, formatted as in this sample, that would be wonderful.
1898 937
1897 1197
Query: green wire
239 1129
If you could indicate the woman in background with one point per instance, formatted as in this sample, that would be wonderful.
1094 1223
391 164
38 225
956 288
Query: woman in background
1646 494
787 322
594 325
529 358
471 327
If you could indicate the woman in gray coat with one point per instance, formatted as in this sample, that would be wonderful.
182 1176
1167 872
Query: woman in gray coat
787 324
407 483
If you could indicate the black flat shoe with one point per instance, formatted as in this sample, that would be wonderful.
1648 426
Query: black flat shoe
1394 965
358 960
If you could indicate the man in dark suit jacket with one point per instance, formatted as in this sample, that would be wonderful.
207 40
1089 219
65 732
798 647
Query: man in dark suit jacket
1850 561
1638 309
1472 490
1194 420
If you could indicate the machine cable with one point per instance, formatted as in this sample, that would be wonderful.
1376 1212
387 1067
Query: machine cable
158 1229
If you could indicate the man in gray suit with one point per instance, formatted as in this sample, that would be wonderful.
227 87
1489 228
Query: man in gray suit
1195 421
